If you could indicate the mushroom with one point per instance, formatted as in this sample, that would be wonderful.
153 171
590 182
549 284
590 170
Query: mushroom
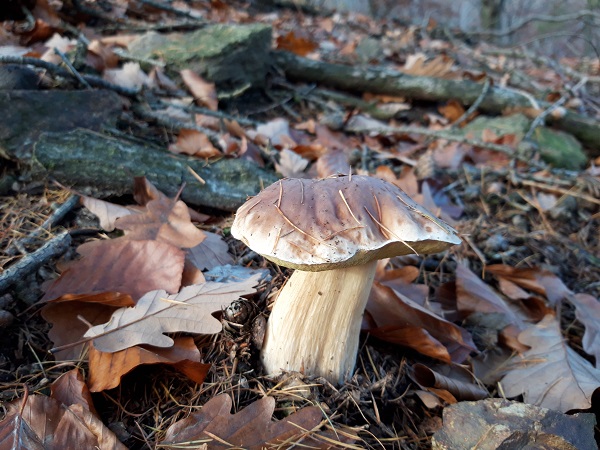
332 231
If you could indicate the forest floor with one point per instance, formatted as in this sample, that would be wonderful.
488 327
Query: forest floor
529 264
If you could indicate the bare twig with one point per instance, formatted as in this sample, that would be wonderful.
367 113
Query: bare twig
541 18
33 261
59 71
73 70
484 90
541 119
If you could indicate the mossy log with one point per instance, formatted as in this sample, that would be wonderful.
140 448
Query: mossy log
379 80
103 166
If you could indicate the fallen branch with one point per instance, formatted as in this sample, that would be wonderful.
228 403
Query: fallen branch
33 261
378 80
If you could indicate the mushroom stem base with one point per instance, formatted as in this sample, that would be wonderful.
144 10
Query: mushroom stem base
314 326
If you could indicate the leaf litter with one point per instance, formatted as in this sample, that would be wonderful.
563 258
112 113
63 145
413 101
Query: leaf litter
512 285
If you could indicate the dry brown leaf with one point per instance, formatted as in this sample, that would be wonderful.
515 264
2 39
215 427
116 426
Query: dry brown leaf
106 369
130 76
587 311
452 110
291 164
390 310
461 385
166 220
418 65
300 45
67 328
250 428
211 252
550 374
39 422
204 92
157 313
120 265
194 143
540 281
332 163
106 212
70 389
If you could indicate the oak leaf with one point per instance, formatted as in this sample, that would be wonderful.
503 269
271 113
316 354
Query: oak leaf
550 374
251 428
158 312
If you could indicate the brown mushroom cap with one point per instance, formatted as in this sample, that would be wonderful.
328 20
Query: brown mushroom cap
336 222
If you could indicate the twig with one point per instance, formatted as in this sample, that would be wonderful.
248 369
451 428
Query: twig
73 70
33 261
542 18
475 105
541 119
51 221
171 9
447 135
211 113
59 71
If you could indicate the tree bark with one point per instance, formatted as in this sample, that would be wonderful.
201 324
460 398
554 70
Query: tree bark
378 80
103 166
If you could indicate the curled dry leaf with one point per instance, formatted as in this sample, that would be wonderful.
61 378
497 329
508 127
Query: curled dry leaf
106 369
213 251
251 428
550 374
106 212
70 389
396 318
204 92
587 311
461 388
540 281
157 313
291 164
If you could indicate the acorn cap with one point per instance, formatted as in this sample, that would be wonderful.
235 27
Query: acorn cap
336 222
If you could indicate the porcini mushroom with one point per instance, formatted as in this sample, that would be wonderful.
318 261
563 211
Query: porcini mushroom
332 231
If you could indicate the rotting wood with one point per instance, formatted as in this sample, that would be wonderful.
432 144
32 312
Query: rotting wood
379 80
95 164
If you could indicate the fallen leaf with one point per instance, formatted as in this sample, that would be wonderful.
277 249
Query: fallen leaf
67 327
70 389
130 76
291 164
537 280
40 422
213 251
165 220
587 311
204 92
550 374
250 428
157 313
461 385
418 65
106 369
106 212
294 43
194 143
390 310
119 265
332 163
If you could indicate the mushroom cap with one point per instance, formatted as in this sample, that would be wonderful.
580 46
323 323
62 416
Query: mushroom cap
337 222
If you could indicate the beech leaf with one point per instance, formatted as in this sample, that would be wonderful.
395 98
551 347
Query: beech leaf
158 312
551 374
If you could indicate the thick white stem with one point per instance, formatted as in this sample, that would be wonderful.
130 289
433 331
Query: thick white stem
315 323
